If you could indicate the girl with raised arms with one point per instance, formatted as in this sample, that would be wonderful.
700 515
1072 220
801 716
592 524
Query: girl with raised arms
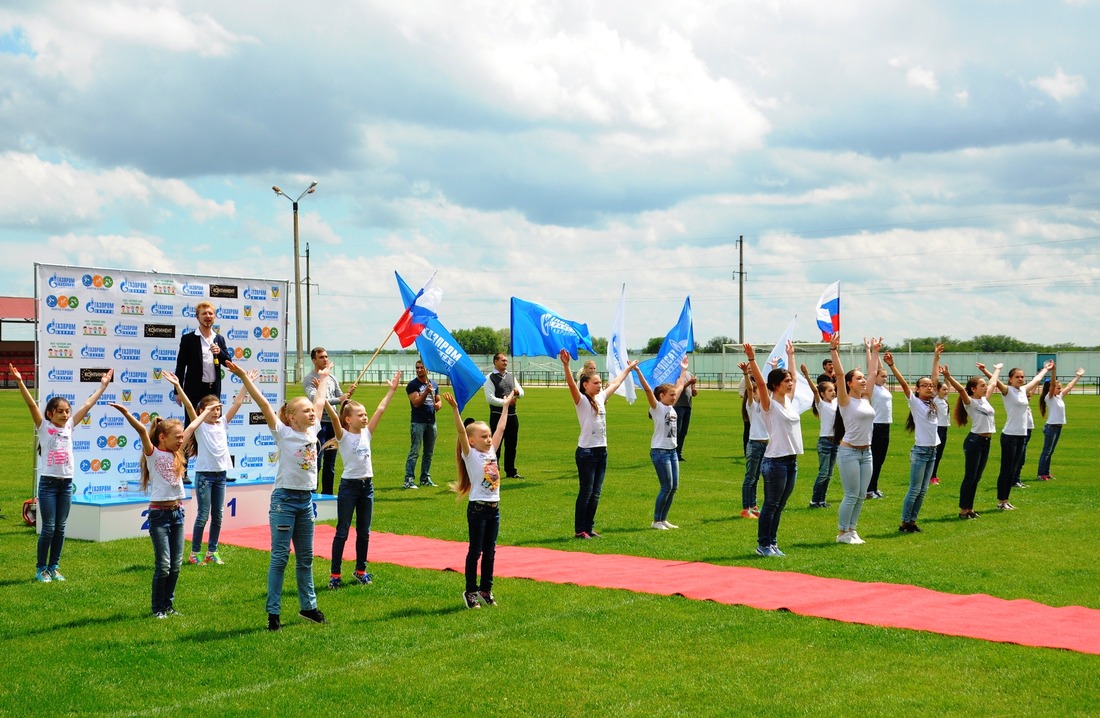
973 404
825 409
1014 434
1053 396
923 421
852 431
662 446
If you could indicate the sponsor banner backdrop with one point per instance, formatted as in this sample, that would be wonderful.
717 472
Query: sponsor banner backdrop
91 320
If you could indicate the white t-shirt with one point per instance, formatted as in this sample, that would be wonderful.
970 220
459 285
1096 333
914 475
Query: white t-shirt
593 422
1016 406
925 419
858 415
213 447
165 481
297 467
56 443
664 427
355 453
758 427
484 475
883 402
827 411
784 429
1056 408
943 412
980 412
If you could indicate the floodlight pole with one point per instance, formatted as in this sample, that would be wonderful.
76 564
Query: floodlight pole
297 279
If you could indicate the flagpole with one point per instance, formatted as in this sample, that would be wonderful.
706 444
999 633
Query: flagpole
373 357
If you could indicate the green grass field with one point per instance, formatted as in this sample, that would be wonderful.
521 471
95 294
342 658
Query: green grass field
405 646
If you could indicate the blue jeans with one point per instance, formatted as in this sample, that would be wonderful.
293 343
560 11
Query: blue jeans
826 461
166 530
55 498
291 517
210 495
667 464
921 461
356 497
754 454
591 467
779 476
484 522
976 454
855 477
1051 434
420 434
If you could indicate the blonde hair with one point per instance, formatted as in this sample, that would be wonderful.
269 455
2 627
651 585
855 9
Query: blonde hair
345 410
285 411
463 485
205 303
157 430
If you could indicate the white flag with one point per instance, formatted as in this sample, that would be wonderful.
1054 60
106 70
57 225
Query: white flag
616 353
803 394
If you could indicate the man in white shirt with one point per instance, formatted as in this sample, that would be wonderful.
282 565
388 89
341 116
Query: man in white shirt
498 385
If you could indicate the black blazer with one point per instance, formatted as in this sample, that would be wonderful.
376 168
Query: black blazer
189 366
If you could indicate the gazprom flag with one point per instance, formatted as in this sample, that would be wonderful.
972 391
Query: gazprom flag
828 311
680 340
616 352
803 394
443 355
537 331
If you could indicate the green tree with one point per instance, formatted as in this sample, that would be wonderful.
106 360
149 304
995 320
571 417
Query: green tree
654 345
479 340
714 346
599 344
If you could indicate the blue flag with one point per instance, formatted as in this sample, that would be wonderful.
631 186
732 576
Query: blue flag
665 367
537 331
442 354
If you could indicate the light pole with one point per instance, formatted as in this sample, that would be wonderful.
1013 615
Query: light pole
297 279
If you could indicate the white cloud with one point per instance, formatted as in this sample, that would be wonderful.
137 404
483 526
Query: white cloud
920 77
1060 86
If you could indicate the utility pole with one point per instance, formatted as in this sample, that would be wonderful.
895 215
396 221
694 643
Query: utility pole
739 275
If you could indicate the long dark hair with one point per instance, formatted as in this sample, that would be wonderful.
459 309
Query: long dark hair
961 416
838 423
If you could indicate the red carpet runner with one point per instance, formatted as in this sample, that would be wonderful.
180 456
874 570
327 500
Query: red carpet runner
878 604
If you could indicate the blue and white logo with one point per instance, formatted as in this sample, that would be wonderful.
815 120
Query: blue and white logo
61 328
268 315
256 294
82 445
108 421
67 397
193 290
65 375
129 376
235 442
126 330
162 354
127 354
268 357
251 462
228 313
236 335
128 467
59 282
151 398
264 440
94 307
189 312
131 287
90 352
162 310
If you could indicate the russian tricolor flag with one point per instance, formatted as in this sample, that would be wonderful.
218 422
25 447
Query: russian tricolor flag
420 309
828 311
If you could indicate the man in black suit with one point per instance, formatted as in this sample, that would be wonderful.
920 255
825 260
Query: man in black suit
201 353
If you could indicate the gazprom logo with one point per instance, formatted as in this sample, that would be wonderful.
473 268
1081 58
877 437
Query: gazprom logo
227 313
61 328
236 335
237 420
82 445
251 462
234 442
67 397
133 377
193 290
127 354
58 281
90 352
271 397
151 398
264 440
94 307
130 287
256 294
128 467
162 310
268 315
267 357
126 330
108 421
60 375
189 312
162 354
550 324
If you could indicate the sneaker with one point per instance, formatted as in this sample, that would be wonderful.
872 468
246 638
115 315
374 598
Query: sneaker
1005 506
756 510
1043 478
966 515
410 485
855 537
516 475
487 598
973 515
878 494
42 575
194 560
1019 485
913 528
825 504
668 525
273 622
214 558
776 551
869 495
363 578
582 535
470 598
764 551
312 614
749 514
935 481
172 611
904 528
56 575
429 482
593 534
845 537
659 525
160 615
334 583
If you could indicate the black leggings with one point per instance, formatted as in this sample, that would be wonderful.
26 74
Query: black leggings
880 444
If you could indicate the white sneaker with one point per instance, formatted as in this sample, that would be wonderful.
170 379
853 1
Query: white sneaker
659 525
856 538
845 537
668 525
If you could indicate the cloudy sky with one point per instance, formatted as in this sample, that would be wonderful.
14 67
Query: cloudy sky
940 159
